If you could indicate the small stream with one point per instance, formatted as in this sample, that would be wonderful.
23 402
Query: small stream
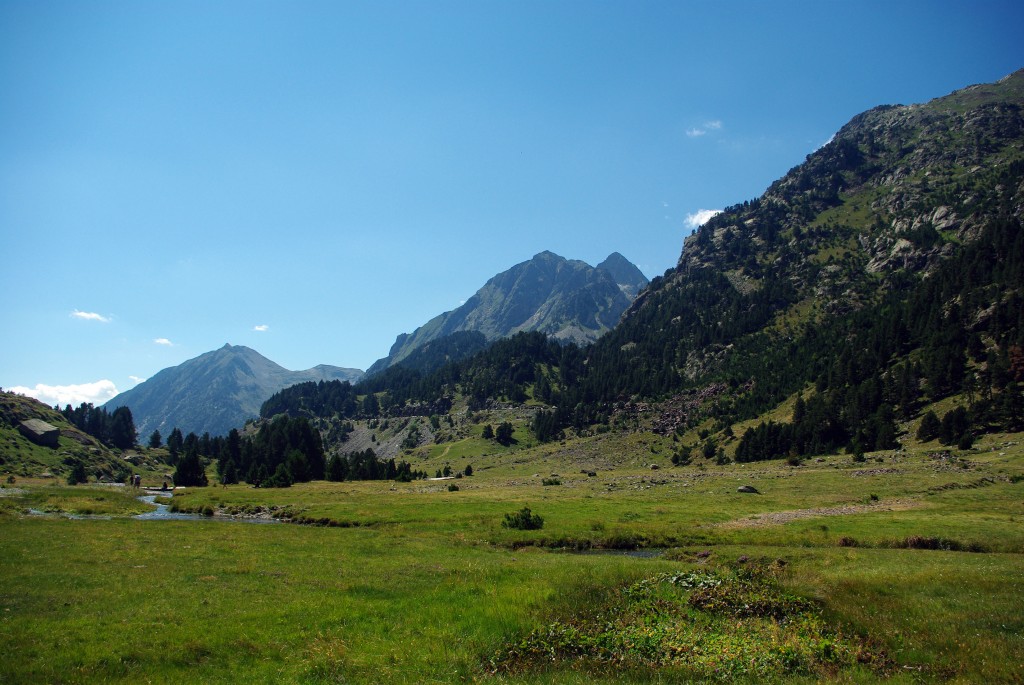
163 513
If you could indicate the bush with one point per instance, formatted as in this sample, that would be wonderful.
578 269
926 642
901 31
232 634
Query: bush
453 488
551 481
78 474
282 478
523 519
929 428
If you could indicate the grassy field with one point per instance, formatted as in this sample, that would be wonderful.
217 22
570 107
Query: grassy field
908 567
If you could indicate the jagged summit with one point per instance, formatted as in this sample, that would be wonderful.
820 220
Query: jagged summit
567 299
629 278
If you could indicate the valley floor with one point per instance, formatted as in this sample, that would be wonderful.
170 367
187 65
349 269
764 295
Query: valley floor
908 567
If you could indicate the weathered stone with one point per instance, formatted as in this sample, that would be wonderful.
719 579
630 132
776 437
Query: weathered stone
748 488
40 432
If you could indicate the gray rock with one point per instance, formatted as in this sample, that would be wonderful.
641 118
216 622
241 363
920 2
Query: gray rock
40 432
748 488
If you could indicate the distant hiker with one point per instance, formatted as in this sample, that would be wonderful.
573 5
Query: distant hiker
164 486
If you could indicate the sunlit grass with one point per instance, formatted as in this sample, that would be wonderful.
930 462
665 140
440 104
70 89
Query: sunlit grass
425 585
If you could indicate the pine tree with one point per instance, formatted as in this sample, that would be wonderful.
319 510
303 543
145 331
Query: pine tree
190 471
929 428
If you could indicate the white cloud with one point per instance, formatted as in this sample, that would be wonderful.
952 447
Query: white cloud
700 217
261 328
136 379
90 316
163 341
698 131
97 393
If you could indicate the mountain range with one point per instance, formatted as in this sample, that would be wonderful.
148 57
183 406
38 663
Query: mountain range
883 271
883 275
568 300
214 392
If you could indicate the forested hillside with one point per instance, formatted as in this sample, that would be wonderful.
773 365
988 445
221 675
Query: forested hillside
883 274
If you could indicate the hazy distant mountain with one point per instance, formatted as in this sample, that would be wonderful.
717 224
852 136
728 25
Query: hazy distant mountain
567 299
214 392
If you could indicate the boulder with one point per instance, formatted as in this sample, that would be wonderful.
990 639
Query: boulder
40 432
748 488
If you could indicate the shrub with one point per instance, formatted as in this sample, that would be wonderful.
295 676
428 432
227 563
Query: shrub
682 457
78 474
453 487
523 519
929 428
551 481
282 478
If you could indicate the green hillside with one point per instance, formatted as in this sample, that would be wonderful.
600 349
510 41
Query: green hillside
23 458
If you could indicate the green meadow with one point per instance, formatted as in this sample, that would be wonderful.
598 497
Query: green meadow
908 567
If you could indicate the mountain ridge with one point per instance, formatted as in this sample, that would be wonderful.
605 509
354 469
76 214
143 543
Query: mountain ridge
565 298
214 392
882 275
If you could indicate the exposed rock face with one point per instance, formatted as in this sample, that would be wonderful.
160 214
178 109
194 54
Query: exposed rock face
40 432
567 299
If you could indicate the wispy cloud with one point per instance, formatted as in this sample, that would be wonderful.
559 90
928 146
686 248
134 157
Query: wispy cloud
89 316
163 341
136 379
261 328
95 393
708 126
700 217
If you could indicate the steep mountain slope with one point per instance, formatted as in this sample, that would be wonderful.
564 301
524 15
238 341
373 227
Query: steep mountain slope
214 392
566 299
896 241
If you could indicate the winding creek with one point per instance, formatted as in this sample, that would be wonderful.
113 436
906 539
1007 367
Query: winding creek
163 512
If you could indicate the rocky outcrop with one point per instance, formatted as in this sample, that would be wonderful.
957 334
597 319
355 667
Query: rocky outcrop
40 432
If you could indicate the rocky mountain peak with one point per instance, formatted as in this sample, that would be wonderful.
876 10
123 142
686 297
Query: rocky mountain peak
565 298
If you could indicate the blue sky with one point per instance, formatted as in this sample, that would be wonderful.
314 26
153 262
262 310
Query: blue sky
311 179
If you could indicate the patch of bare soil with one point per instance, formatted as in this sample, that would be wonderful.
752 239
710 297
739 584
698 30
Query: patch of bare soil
779 517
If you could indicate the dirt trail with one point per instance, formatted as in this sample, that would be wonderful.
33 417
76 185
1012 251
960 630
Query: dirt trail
773 518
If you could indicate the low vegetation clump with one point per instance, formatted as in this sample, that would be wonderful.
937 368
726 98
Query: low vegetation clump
718 624
524 519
